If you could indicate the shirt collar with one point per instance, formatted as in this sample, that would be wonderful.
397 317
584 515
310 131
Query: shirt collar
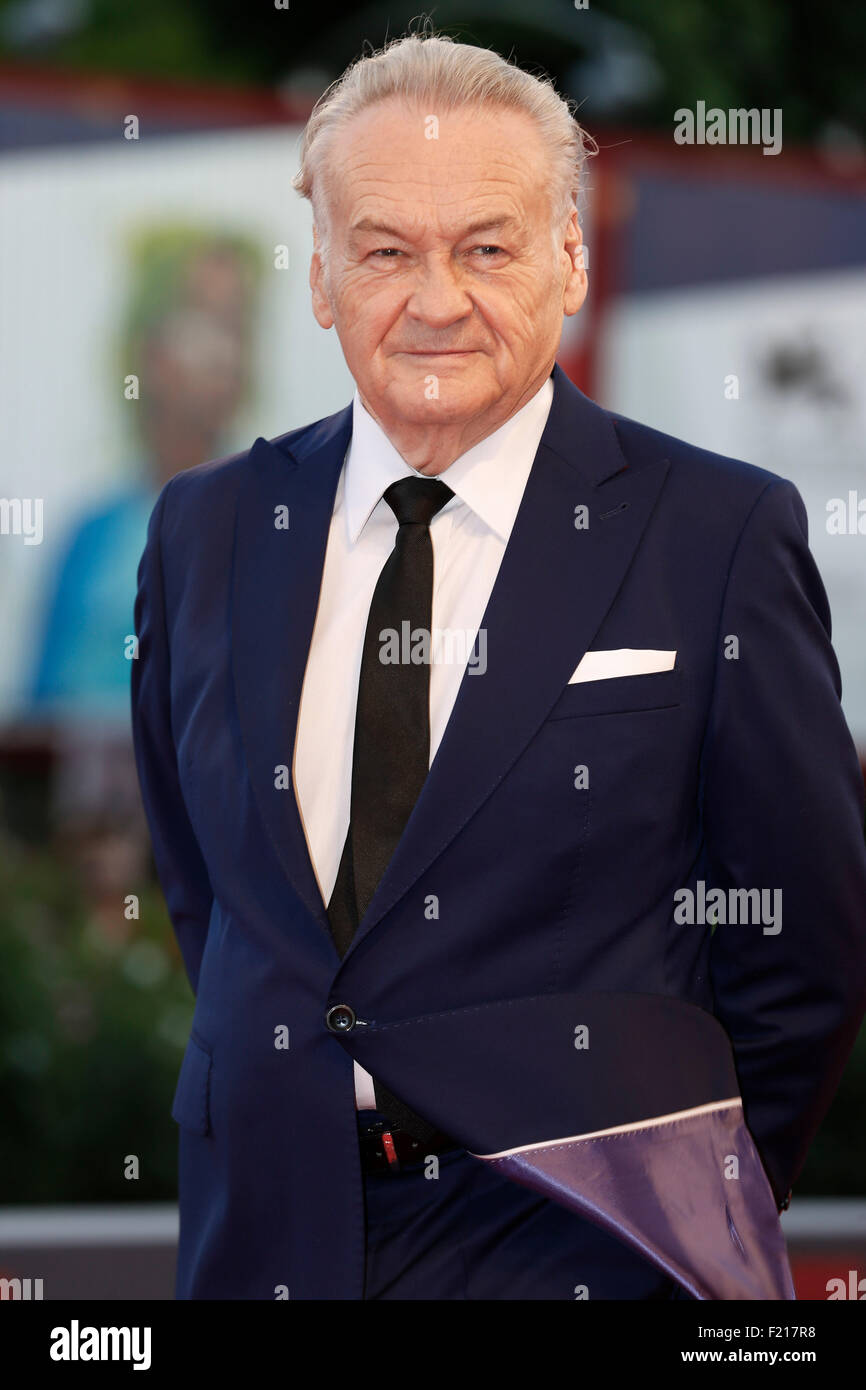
489 478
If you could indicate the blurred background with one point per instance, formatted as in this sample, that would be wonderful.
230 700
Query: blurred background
155 313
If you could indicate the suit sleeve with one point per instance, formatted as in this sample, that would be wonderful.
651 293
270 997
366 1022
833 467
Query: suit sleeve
782 804
181 869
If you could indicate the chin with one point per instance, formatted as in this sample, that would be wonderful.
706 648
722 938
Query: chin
455 400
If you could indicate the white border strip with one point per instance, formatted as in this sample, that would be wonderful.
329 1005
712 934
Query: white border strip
89 1227
619 1129
809 1221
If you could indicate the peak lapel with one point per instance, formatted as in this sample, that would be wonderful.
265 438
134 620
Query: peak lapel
275 591
554 587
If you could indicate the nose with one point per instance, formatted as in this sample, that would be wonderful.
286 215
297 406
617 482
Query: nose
438 298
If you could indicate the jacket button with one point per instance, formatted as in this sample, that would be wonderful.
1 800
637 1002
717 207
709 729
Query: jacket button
340 1018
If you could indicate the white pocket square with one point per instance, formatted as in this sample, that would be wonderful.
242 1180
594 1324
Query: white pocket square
624 661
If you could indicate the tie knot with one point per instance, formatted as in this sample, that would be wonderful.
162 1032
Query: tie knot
417 499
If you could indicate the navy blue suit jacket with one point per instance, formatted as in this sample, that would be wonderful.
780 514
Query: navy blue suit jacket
681 1114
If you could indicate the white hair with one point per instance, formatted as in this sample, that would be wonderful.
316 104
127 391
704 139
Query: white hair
441 75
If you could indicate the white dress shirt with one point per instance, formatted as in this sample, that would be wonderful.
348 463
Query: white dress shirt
469 536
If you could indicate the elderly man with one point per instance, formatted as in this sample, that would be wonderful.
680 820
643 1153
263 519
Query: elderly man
497 778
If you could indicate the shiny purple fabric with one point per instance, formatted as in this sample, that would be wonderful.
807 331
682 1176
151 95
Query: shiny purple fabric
663 1190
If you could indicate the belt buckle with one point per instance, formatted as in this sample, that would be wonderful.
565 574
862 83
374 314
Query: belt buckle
387 1141
378 1131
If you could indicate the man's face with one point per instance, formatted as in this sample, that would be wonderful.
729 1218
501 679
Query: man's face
442 273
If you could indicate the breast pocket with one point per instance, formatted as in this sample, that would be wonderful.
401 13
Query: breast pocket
191 1105
620 695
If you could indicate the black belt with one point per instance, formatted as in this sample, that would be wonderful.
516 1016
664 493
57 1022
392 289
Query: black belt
385 1149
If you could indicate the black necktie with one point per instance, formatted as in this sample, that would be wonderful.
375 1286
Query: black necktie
391 752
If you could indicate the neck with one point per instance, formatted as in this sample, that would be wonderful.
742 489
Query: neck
430 450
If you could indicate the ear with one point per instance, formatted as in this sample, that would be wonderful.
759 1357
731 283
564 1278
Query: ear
321 302
576 282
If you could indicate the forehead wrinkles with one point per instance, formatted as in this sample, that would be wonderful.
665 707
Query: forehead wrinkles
430 167
406 196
